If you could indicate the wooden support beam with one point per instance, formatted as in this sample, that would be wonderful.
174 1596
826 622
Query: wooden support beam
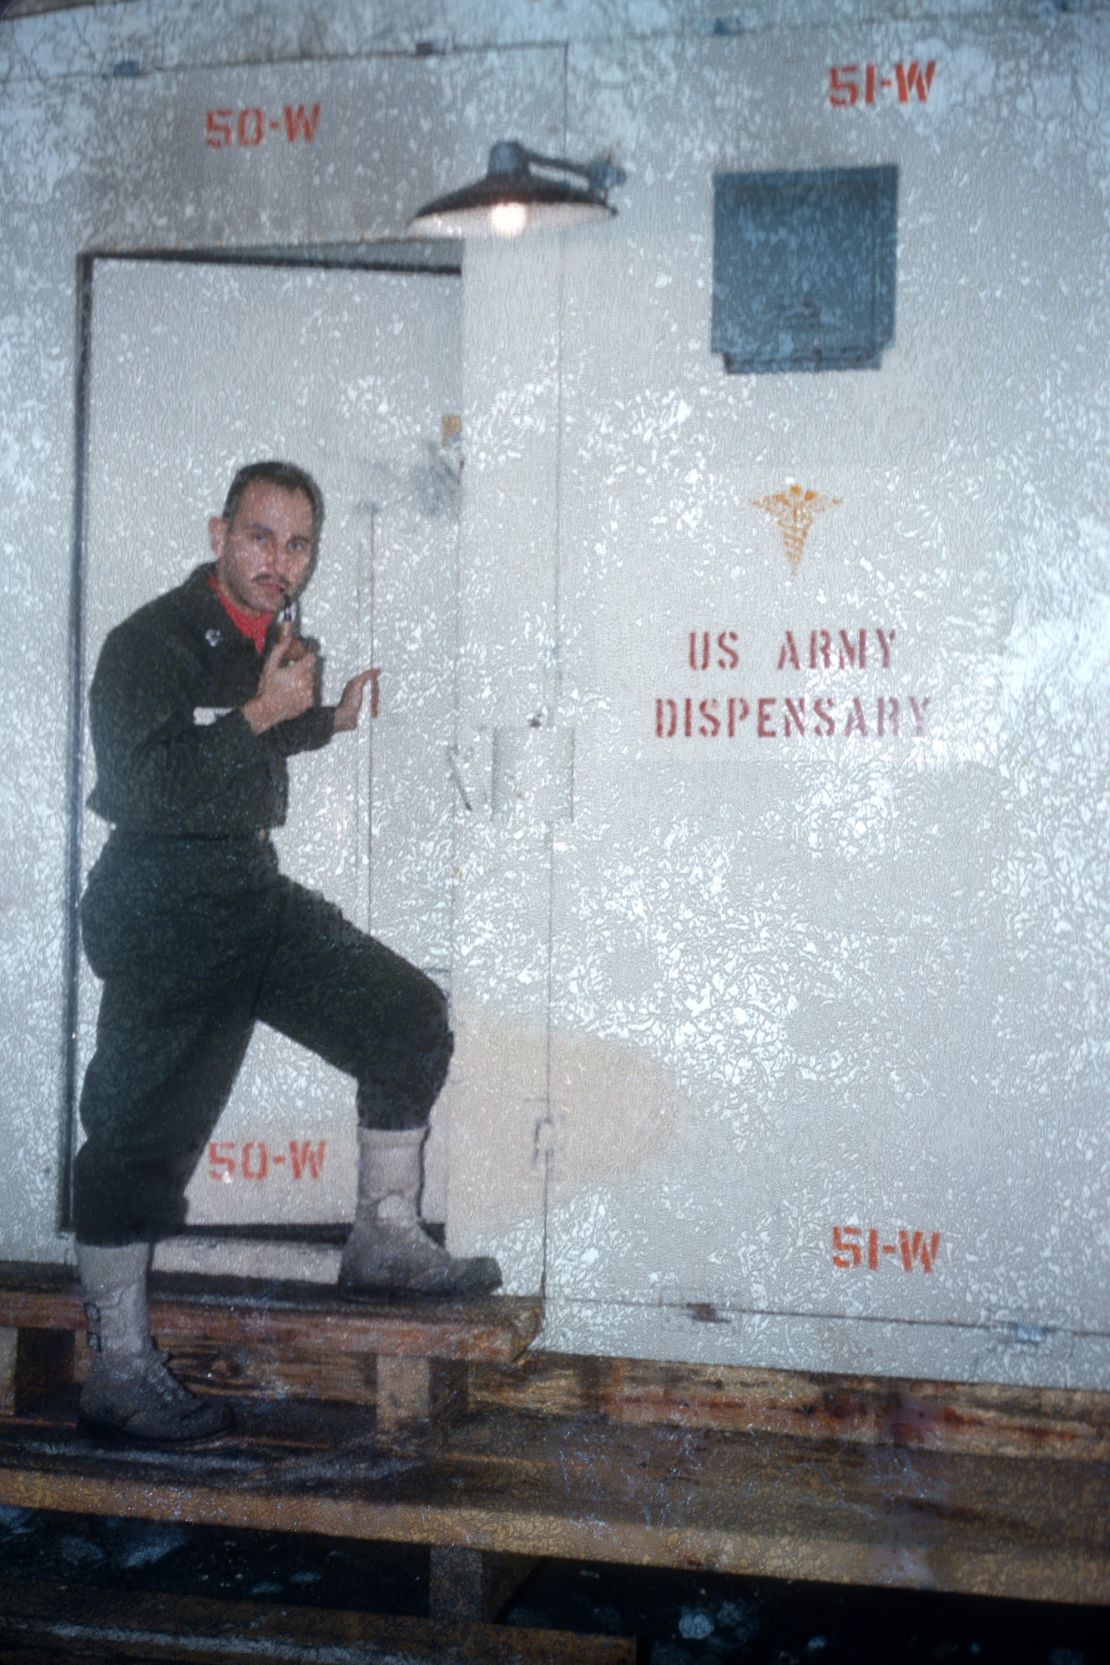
252 1336
472 1583
416 1390
47 1623
581 1489
257 1311
976 1418
958 1487
9 1354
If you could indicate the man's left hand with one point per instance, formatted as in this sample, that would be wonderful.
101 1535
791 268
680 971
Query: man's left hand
350 704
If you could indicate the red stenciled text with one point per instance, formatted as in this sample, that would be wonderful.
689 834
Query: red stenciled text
257 1160
247 128
822 650
720 651
851 84
771 718
852 1247
852 715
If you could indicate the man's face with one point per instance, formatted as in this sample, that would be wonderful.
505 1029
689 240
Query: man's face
264 554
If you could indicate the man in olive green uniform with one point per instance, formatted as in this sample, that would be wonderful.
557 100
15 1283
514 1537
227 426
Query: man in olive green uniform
198 700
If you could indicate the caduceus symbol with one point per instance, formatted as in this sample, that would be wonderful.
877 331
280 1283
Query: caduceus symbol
794 511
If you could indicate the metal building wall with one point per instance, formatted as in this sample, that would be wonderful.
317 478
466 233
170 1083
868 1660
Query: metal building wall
785 1048
817 1003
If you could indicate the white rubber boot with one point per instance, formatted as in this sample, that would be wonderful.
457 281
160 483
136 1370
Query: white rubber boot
389 1252
129 1392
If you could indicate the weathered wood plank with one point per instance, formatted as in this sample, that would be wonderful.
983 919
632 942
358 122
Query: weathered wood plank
972 1417
491 1330
266 1372
247 1311
925 1484
416 1390
279 1353
119 1625
9 1359
587 1489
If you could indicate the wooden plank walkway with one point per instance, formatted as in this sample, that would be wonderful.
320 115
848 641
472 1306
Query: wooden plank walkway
992 1491
583 1488
983 1418
407 1359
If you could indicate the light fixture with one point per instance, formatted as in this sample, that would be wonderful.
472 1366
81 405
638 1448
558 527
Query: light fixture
512 199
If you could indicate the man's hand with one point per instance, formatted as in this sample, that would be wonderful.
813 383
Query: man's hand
350 704
287 685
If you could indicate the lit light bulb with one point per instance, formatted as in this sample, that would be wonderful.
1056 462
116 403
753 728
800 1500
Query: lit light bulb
508 219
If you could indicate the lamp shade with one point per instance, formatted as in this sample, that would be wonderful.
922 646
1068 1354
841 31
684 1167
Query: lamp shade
512 199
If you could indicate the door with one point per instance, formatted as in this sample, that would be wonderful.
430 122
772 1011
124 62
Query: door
197 368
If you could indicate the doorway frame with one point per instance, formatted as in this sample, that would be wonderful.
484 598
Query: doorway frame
426 259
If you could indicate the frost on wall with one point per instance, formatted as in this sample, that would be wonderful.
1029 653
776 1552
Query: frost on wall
778 777
828 1043
125 165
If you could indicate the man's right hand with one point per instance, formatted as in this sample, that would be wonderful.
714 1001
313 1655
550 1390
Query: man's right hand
287 685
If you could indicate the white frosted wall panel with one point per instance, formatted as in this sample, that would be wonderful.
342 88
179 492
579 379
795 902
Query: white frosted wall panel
96 163
255 359
39 170
277 155
409 508
351 374
908 943
507 670
413 792
819 949
143 33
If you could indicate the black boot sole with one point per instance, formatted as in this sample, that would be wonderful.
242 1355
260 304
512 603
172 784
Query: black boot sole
110 1433
476 1288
